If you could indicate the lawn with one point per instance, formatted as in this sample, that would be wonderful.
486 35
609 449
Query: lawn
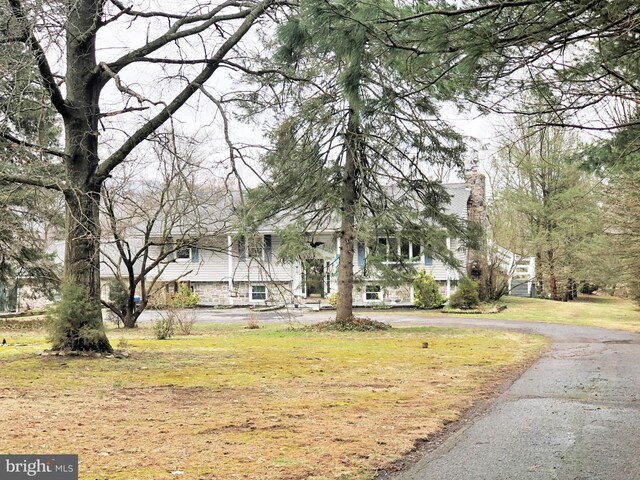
595 310
230 403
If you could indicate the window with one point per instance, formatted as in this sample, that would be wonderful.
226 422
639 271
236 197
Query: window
373 292
403 250
255 247
188 253
258 293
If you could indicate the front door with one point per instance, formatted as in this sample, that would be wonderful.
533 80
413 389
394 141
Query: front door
314 278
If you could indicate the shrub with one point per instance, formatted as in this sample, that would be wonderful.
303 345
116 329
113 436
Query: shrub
118 296
252 321
75 323
185 298
426 292
588 288
333 299
164 327
113 318
185 321
466 295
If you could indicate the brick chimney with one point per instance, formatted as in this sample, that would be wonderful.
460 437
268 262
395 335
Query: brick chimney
476 213
476 205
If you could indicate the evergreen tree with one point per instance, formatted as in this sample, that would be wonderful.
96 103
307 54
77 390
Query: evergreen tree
29 218
617 161
353 143
580 57
545 205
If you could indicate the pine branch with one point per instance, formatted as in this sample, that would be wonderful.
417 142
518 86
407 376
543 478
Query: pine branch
24 143
32 181
44 68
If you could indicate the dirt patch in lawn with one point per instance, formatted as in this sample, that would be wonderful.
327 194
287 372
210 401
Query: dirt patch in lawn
253 405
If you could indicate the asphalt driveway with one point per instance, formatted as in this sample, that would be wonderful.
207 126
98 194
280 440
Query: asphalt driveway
574 415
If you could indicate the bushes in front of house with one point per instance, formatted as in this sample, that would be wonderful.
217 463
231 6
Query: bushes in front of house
466 295
426 291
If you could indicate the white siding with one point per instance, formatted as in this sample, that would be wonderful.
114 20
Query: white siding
438 269
258 269
211 266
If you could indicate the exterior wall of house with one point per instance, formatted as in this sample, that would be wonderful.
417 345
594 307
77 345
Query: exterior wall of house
217 293
210 263
437 268
224 268
245 268
212 293
28 299
477 214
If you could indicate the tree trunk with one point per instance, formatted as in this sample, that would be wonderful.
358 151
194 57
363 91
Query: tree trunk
539 274
131 317
82 196
349 195
553 279
82 267
129 320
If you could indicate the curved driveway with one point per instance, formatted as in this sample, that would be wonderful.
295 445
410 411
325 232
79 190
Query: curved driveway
574 415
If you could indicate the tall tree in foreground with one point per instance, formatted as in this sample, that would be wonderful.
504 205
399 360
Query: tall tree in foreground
183 47
353 142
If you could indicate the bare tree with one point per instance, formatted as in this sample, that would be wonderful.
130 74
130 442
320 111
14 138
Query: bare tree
90 83
151 222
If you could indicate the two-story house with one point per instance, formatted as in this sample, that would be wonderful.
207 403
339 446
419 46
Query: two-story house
230 269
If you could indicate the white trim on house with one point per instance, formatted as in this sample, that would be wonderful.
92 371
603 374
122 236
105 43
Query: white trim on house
230 267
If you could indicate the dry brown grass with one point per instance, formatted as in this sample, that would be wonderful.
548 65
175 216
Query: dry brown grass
269 404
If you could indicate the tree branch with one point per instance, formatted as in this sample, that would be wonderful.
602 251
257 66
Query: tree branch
174 33
34 182
24 143
464 11
125 89
47 75
150 126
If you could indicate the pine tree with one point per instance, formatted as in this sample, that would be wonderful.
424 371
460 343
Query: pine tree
29 218
353 141
545 205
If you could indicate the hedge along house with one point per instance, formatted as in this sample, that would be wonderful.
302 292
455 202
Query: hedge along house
224 267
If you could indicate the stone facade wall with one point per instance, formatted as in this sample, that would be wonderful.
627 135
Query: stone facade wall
30 300
217 293
212 293
477 214
401 294
476 207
